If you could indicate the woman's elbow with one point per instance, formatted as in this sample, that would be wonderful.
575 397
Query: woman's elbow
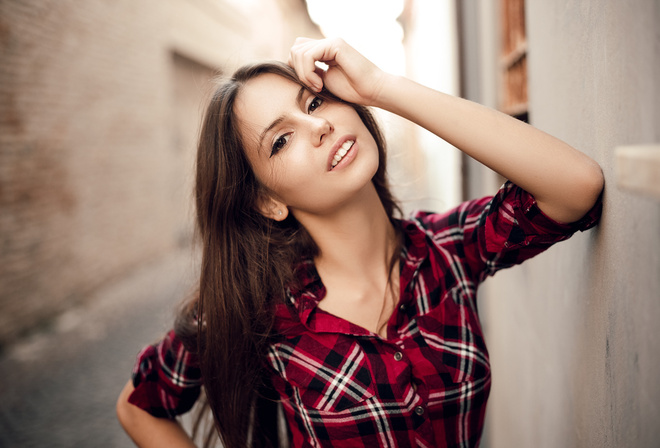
590 187
584 193
571 199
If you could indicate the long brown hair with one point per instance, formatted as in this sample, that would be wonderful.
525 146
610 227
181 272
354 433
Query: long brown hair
247 262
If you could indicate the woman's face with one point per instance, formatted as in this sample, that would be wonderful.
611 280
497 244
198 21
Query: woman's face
312 154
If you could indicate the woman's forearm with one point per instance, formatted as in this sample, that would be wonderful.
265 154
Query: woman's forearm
564 181
148 431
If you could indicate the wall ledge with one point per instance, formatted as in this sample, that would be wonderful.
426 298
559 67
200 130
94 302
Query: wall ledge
638 169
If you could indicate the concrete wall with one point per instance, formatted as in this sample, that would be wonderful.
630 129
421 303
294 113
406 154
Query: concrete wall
574 334
99 109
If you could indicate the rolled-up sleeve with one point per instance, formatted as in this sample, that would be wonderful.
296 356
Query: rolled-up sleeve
167 378
492 233
512 228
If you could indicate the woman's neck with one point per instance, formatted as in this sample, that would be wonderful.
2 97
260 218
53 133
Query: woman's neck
356 249
357 240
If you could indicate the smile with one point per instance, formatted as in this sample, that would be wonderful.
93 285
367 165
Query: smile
342 151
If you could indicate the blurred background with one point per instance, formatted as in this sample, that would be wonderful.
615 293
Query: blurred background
100 103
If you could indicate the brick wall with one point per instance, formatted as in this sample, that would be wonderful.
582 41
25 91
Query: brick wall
95 158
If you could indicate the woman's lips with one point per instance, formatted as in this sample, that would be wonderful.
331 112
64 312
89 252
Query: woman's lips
343 149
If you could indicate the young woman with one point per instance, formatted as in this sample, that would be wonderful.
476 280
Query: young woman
315 294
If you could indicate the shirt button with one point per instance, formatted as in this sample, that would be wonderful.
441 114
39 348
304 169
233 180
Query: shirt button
398 356
419 410
402 307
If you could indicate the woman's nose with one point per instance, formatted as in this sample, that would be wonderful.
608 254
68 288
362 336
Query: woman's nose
320 129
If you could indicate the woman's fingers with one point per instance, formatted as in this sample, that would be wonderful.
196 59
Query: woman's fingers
304 65
304 55
349 75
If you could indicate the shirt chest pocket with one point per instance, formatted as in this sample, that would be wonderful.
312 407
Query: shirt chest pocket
325 379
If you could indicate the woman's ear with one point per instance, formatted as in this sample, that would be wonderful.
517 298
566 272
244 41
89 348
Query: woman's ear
273 208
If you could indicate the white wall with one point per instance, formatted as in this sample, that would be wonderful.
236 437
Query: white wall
574 334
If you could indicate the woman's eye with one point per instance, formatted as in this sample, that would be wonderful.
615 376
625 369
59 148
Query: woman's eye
315 104
280 143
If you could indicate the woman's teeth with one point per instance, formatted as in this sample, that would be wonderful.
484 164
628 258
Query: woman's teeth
342 151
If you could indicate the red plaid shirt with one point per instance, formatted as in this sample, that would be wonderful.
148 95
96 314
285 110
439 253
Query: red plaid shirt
427 383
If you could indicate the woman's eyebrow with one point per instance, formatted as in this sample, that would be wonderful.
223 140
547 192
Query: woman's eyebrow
281 118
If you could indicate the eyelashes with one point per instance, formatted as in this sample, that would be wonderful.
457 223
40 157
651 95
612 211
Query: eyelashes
279 144
314 104
282 140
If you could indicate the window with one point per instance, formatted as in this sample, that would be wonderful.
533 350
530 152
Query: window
513 97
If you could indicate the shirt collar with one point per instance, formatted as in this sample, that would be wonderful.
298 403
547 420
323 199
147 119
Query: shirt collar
309 291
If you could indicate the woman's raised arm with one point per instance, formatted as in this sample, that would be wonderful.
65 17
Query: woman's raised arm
565 182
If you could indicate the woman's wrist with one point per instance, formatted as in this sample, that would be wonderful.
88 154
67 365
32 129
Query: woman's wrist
385 90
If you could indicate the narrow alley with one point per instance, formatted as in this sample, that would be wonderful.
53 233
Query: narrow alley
60 384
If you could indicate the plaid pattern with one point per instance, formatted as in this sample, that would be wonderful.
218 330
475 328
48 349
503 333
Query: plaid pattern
167 378
427 383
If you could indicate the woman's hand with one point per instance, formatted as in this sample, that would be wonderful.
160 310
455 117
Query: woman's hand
350 76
